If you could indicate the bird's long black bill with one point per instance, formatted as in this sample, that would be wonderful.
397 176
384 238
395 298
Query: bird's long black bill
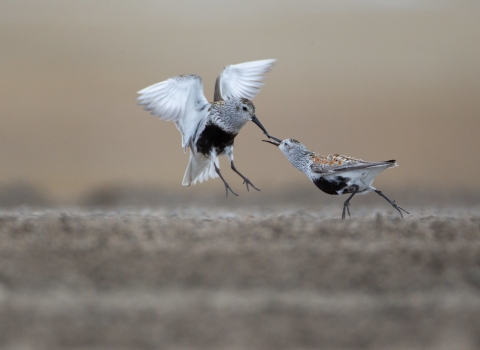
256 121
274 138
275 143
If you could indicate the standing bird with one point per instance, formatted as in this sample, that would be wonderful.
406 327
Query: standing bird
335 174
209 129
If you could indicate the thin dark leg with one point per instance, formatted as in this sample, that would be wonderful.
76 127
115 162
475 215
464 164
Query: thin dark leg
399 209
227 186
245 180
347 202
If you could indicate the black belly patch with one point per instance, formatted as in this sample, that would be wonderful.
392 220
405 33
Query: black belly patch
332 186
212 137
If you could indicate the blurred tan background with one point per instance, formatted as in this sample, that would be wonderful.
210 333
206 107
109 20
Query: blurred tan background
371 79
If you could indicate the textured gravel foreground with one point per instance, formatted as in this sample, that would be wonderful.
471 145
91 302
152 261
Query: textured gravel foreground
244 278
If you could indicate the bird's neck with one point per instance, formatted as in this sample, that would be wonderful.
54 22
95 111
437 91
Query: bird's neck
301 161
227 119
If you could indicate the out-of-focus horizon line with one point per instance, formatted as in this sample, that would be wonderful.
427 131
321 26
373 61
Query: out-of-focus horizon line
291 194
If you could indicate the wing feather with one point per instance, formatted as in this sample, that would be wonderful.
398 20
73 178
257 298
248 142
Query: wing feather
179 99
324 169
242 80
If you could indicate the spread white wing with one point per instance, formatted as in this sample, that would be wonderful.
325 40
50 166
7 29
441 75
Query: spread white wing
181 100
242 80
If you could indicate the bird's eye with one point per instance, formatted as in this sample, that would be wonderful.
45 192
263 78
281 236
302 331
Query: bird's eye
244 108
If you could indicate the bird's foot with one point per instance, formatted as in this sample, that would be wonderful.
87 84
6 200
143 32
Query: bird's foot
393 204
346 204
399 209
346 207
228 188
248 182
245 180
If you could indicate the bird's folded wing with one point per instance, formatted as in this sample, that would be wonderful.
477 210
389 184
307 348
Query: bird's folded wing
181 100
327 169
242 80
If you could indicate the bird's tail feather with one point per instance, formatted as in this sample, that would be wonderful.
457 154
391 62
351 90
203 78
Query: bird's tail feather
199 168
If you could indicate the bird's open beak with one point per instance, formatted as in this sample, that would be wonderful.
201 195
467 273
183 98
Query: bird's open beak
256 121
275 141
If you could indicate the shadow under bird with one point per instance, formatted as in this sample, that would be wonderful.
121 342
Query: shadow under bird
335 174
209 129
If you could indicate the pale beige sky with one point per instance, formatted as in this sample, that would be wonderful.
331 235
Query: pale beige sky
375 82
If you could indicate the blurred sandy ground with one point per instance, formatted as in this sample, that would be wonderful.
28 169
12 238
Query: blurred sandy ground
216 278
374 79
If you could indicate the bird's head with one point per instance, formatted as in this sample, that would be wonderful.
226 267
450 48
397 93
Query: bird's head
246 109
287 146
295 152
